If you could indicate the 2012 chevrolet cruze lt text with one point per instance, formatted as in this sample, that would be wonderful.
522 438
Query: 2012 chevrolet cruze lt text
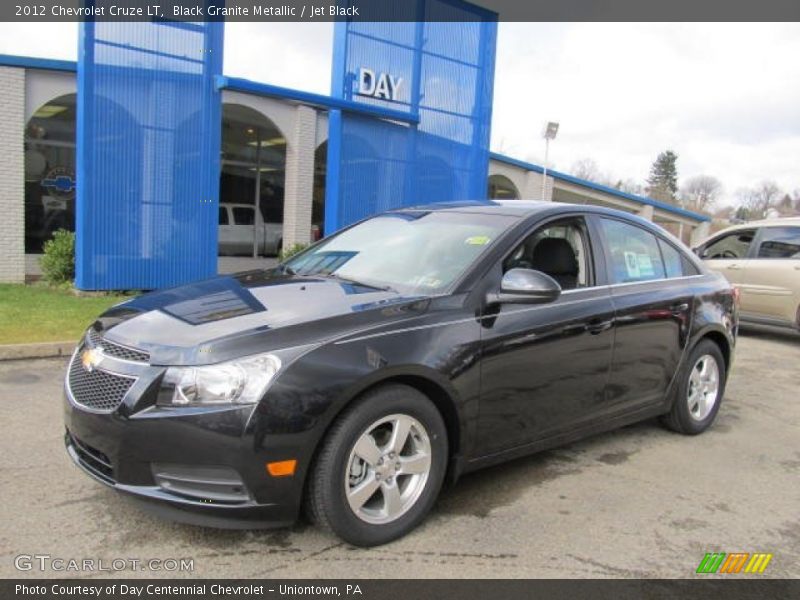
360 375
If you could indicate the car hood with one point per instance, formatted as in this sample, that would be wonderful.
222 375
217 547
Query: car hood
256 311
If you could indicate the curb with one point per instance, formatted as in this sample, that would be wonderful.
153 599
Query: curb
42 350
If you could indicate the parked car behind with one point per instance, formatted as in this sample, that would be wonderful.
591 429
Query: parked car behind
236 228
762 259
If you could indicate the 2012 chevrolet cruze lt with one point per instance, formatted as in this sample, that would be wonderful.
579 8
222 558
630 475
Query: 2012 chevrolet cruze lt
404 351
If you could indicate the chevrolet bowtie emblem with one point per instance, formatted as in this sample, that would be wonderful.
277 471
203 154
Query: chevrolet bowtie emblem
91 358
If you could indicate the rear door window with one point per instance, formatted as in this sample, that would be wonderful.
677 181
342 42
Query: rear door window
779 242
223 215
243 215
633 253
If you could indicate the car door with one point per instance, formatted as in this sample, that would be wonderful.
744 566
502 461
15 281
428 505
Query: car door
244 228
771 278
545 367
728 254
226 240
652 313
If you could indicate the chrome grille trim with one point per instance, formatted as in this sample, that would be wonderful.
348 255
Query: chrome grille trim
99 390
115 350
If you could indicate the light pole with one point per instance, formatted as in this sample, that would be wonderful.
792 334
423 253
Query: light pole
548 133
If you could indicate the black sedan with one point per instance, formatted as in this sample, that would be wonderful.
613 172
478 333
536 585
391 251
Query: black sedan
359 376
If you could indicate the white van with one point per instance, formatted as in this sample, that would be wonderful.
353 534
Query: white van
236 228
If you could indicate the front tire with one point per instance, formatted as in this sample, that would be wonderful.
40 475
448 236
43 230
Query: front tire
699 390
380 467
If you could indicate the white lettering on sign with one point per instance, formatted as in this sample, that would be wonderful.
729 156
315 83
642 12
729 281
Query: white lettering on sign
378 85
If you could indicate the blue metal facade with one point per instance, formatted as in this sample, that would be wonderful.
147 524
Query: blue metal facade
148 152
441 74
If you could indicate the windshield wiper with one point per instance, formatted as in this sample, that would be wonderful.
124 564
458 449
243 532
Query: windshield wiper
336 276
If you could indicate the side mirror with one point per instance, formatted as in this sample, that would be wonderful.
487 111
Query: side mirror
525 286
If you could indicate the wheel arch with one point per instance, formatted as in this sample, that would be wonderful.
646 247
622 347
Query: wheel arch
722 341
442 398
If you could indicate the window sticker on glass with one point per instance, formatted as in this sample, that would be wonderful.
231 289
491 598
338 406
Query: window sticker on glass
478 240
645 265
632 264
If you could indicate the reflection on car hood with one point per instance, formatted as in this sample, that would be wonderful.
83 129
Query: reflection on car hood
255 311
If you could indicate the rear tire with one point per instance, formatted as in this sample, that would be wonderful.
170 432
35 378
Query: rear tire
698 391
380 467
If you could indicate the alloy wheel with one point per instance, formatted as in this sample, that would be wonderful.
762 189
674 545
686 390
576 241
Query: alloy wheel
387 469
703 387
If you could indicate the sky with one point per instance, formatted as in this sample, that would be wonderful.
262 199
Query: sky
725 97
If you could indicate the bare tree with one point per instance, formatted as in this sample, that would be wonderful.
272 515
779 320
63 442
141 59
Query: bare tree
629 186
701 192
586 168
757 201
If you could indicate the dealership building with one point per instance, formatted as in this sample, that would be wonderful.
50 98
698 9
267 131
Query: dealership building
273 149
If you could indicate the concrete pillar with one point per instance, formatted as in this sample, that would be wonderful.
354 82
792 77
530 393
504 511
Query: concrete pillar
533 187
646 212
299 189
12 175
699 233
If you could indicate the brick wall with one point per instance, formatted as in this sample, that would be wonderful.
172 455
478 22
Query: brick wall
299 178
12 175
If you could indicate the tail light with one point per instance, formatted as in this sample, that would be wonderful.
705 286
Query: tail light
736 296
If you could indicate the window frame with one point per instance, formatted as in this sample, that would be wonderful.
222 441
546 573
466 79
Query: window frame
594 275
755 247
750 250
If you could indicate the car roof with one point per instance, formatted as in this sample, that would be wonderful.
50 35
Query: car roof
779 222
522 209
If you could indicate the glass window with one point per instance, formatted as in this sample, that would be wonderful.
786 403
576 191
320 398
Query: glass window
674 261
223 215
49 172
412 252
243 215
633 252
558 249
779 242
733 245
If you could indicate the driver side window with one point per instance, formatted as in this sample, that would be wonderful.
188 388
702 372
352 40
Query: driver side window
734 245
559 249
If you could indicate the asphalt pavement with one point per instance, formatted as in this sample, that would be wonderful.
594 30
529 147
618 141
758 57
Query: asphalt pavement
638 502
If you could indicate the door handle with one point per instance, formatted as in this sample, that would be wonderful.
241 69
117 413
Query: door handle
678 309
595 327
733 267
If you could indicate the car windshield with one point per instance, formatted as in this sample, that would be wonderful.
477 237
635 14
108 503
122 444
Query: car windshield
415 253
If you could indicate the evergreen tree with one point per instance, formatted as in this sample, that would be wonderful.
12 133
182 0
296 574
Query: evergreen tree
662 184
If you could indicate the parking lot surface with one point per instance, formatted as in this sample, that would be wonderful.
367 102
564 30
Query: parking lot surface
638 502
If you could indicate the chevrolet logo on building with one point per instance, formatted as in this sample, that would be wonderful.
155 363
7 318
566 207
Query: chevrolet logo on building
91 358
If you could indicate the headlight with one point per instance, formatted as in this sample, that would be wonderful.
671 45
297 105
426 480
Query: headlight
236 382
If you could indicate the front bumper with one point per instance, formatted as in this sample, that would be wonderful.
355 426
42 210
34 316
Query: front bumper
204 466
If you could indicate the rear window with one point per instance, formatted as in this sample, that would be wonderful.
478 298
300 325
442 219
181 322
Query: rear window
634 254
223 215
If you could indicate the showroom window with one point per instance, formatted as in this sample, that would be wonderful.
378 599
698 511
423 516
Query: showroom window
253 172
49 172
502 188
634 254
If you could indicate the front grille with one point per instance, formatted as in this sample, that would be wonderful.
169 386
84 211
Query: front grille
116 350
97 390
91 458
